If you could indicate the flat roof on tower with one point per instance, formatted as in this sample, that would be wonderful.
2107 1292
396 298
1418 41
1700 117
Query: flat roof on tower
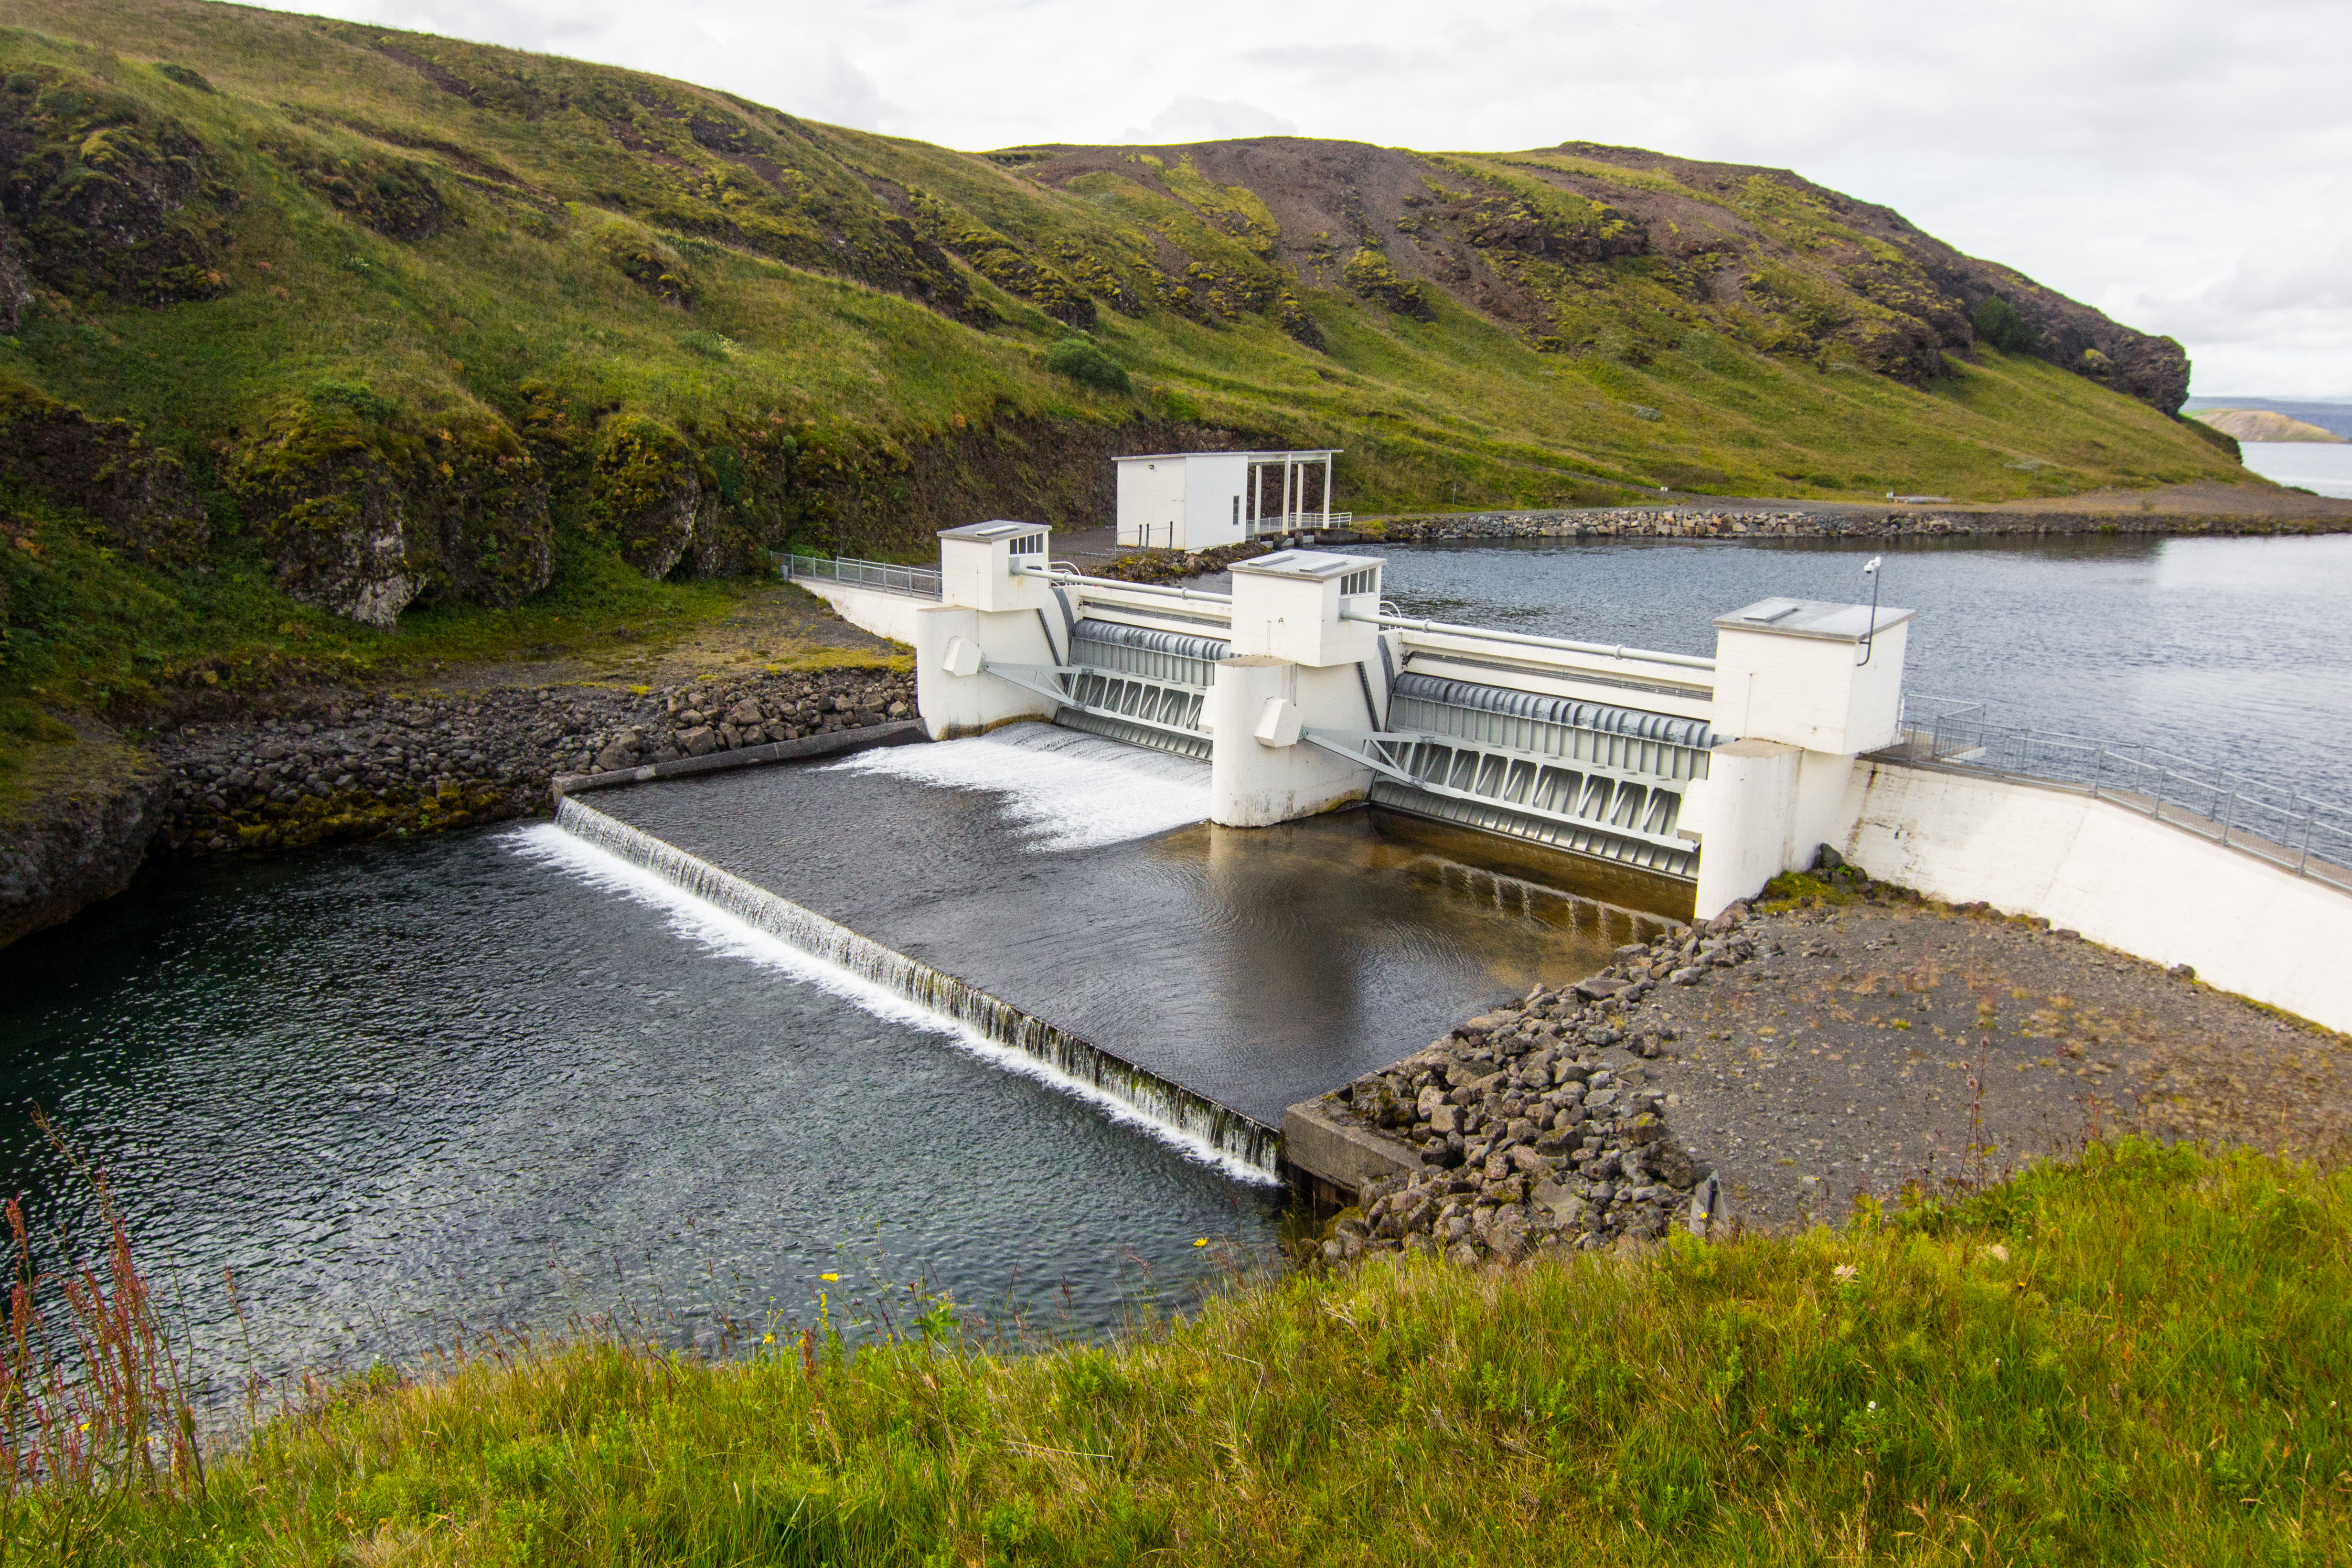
1173 456
999 529
1812 618
1305 563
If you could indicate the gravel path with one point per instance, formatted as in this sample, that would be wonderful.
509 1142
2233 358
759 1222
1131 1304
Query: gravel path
1879 1044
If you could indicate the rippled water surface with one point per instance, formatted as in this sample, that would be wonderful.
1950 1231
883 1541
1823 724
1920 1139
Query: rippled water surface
398 1087
2323 467
2230 650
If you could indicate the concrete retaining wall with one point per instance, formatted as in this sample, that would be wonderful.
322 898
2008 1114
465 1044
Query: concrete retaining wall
2113 874
890 615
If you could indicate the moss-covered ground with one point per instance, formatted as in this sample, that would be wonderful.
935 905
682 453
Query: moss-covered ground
2143 1357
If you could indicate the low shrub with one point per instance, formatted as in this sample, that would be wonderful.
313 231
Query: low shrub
1996 322
1082 361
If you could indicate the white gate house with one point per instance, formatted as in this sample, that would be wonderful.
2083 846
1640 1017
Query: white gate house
1194 500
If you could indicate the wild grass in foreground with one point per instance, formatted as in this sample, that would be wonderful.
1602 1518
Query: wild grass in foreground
2141 1358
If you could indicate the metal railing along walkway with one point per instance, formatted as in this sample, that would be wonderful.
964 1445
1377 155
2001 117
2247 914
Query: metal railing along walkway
2292 830
915 581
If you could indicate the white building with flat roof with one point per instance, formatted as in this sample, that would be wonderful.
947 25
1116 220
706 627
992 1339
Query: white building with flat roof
1194 500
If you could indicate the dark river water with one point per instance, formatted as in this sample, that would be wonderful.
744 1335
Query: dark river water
505 1080
479 1080
2225 650
400 1088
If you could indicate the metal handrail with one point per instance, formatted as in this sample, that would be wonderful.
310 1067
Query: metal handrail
915 581
1060 572
1527 640
2310 837
1300 523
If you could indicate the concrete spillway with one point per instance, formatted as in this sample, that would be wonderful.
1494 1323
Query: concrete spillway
1059 894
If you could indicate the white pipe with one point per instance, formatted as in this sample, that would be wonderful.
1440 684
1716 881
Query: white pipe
1111 583
1526 640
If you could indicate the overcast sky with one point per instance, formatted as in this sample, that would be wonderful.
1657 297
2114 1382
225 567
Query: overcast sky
2182 166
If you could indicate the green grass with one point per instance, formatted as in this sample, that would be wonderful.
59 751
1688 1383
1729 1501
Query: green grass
2142 1358
619 252
90 632
520 289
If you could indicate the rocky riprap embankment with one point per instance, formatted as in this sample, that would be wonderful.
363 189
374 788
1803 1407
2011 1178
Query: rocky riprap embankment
1699 523
1176 566
1647 522
357 767
1534 1126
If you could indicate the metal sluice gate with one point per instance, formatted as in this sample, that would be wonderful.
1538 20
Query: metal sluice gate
1584 777
1588 778
1141 685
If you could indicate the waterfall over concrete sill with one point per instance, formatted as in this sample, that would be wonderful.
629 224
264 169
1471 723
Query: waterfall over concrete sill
1189 1120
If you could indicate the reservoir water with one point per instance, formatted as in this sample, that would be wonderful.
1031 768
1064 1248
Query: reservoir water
503 1078
2227 651
2323 467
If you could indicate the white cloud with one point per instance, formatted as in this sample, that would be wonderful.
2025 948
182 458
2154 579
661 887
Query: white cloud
1195 119
2160 159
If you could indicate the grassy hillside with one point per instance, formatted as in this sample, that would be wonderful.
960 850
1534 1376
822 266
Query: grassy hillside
393 324
2143 1359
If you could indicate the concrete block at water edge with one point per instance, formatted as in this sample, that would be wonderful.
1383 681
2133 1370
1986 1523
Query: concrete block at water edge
954 693
1745 816
1335 1147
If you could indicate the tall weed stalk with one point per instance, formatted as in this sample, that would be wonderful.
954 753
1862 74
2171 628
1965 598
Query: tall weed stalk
94 1403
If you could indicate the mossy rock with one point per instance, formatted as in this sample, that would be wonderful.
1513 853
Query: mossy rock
111 202
398 197
1368 272
326 504
137 495
480 530
646 494
646 261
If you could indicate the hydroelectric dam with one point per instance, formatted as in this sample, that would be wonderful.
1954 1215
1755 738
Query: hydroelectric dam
1203 857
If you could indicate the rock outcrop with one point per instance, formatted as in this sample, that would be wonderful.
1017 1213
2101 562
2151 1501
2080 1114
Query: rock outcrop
137 495
79 840
111 203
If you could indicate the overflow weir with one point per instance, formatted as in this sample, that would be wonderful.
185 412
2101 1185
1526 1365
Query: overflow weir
1059 894
1243 1139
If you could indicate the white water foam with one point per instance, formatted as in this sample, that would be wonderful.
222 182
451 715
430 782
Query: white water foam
1062 788
718 931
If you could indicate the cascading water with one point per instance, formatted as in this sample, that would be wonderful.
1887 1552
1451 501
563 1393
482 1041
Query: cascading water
1241 1139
